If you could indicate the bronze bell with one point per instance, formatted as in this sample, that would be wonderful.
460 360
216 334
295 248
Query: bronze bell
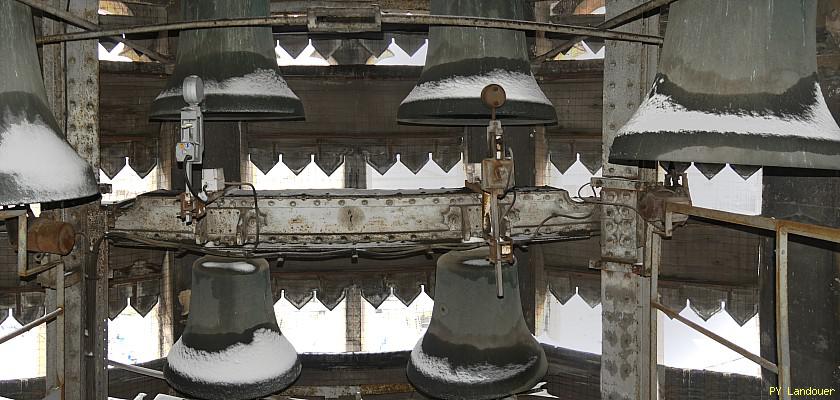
477 345
737 83
36 163
238 66
461 61
232 347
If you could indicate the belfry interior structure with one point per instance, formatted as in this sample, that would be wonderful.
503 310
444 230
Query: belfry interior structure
419 199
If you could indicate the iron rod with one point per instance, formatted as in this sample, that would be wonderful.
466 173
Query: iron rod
72 19
301 22
612 23
782 327
711 335
448 20
137 370
59 327
26 328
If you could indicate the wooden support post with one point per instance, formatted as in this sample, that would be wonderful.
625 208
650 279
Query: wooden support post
355 171
355 176
353 320
811 280
626 364
166 305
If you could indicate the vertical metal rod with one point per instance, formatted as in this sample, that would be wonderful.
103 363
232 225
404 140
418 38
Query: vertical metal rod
22 256
782 326
496 224
59 327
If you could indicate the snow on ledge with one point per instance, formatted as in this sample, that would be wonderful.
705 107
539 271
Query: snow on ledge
518 86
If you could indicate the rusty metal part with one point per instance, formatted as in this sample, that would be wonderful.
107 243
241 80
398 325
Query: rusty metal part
42 235
191 208
49 236
347 218
652 205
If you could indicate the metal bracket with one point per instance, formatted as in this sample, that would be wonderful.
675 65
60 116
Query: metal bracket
345 20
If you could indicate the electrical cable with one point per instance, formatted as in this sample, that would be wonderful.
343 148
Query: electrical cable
381 254
188 179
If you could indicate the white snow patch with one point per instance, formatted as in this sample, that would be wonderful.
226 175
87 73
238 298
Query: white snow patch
42 162
269 355
439 368
518 86
260 83
477 262
238 266
660 113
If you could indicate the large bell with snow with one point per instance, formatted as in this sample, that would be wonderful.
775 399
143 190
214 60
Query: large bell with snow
36 163
737 83
461 61
477 345
232 347
238 66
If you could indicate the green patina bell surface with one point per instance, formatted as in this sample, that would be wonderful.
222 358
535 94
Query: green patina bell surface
477 345
37 164
737 83
461 61
232 347
238 66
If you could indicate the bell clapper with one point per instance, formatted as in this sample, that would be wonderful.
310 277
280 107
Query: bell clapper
496 182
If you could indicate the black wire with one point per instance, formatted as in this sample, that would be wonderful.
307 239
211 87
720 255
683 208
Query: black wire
380 254
557 215
511 205
188 178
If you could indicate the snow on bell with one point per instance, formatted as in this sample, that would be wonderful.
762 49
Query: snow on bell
238 66
36 162
477 345
461 61
737 83
232 347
